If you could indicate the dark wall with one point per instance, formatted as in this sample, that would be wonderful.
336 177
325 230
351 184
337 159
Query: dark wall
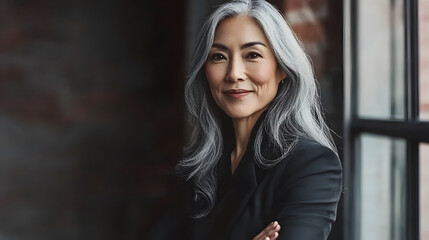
90 115
91 111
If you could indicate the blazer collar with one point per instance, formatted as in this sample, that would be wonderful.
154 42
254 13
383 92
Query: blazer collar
231 204
240 186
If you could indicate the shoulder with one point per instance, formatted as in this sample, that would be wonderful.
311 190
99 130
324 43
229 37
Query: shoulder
308 149
309 156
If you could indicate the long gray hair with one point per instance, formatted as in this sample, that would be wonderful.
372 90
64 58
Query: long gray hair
294 112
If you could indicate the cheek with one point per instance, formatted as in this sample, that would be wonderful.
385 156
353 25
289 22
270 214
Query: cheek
213 76
265 76
266 81
214 79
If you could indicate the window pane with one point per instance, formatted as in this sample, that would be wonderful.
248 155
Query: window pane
381 59
424 58
424 191
382 187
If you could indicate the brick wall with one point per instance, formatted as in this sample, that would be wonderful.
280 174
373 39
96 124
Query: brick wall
90 116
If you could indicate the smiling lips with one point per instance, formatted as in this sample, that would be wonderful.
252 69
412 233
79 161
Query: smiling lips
237 93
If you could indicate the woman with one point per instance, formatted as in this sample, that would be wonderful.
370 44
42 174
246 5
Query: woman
260 163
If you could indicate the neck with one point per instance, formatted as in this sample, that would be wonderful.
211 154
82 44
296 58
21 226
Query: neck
242 128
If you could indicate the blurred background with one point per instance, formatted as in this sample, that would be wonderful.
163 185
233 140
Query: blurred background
92 112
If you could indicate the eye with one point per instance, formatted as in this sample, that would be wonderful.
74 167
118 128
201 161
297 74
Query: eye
253 55
217 57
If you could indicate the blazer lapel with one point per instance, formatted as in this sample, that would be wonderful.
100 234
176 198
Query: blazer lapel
242 186
239 190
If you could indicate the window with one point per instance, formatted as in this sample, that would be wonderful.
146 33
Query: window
424 59
386 135
424 190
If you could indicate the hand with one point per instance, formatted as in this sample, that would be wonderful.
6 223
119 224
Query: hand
271 232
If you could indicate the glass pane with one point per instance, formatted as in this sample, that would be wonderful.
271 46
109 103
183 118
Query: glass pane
424 58
382 187
424 191
381 59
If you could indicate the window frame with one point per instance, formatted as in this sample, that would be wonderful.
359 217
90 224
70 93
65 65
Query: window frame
411 129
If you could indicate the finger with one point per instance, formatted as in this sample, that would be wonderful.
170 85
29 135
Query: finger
274 230
270 231
276 235
265 232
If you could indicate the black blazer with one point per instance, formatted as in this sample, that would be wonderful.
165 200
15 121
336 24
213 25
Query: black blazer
301 193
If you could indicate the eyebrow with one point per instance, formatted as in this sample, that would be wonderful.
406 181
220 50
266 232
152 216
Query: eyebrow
246 45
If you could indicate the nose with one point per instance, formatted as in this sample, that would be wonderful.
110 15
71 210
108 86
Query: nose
236 70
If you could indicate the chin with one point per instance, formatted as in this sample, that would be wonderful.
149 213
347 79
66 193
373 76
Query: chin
236 114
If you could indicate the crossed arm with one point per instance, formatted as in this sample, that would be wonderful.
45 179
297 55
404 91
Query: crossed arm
307 200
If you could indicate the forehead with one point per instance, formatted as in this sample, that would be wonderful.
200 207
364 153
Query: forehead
239 29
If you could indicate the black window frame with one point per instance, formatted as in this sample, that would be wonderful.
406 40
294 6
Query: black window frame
411 129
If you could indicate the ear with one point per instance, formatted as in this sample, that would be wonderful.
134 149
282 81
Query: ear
281 75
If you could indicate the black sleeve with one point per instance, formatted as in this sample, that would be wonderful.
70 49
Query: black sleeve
308 197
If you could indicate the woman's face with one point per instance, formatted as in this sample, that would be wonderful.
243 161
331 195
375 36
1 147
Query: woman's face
241 68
